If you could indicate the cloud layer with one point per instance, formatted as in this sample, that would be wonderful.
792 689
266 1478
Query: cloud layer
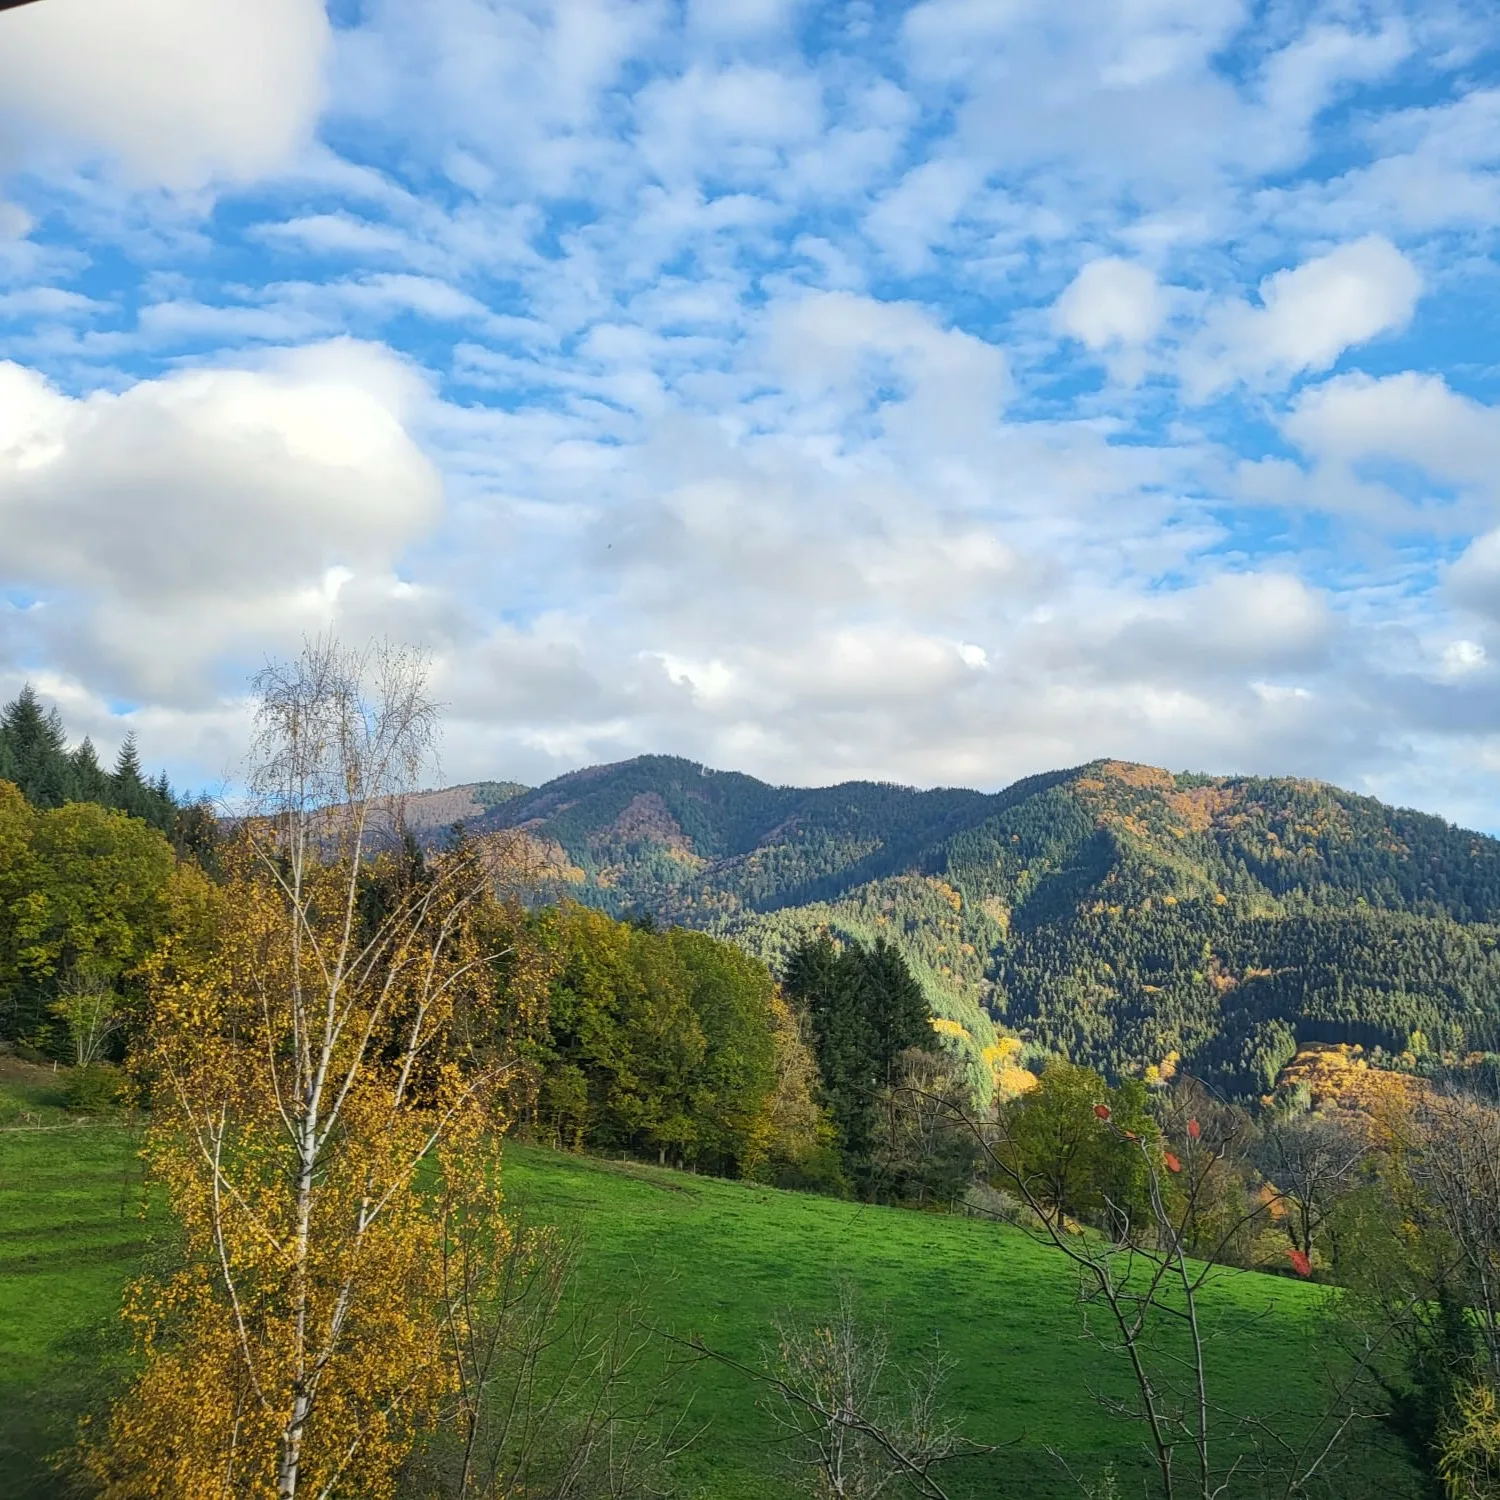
940 392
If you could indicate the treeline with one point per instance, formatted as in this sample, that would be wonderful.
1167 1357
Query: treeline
36 760
669 1044
87 860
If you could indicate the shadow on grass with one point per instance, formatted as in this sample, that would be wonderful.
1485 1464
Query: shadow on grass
40 1422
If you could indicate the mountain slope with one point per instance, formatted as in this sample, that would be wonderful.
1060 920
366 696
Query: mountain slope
1116 912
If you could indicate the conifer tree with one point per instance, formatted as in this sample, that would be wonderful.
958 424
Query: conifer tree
866 1009
36 749
90 780
129 785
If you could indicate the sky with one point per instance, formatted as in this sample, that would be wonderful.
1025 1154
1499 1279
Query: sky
935 392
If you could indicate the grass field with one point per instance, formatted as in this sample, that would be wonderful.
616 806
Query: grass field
713 1258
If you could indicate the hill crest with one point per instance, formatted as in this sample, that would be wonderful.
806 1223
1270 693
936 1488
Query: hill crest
1118 912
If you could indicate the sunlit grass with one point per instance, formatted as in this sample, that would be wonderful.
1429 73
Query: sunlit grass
704 1257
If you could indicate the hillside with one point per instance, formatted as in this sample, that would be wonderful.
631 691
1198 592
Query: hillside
1127 916
698 1256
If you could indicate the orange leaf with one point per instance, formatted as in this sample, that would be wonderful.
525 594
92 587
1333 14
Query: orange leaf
1102 1110
1193 1129
1300 1263
1173 1165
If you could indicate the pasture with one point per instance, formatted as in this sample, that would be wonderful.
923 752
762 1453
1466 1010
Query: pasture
700 1256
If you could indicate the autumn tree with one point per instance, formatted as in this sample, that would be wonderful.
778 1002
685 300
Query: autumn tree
1312 1160
793 1142
309 1075
1423 1254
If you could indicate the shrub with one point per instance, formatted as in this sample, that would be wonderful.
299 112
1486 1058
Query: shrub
94 1090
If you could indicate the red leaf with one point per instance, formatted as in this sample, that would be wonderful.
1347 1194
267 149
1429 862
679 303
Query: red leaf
1173 1165
1193 1129
1300 1263
1102 1110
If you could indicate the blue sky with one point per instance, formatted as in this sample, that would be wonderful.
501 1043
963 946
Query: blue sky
940 392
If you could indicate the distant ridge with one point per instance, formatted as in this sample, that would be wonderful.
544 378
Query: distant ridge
1117 912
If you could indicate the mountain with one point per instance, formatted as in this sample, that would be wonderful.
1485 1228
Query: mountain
429 813
1126 916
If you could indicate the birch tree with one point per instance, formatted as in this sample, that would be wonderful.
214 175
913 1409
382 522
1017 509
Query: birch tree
310 1083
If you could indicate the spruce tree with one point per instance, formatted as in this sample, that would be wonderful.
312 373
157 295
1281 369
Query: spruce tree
865 1009
36 750
129 786
90 780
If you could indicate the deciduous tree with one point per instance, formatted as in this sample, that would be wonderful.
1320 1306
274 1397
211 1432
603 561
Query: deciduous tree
308 1071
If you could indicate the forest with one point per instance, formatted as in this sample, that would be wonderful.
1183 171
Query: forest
1115 914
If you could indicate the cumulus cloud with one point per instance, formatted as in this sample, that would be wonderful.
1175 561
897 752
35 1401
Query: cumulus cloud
1111 301
1307 317
1232 624
915 214
1411 418
211 510
178 92
1474 581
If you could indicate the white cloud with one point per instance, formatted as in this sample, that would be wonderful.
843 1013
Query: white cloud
915 214
1111 301
180 92
1233 623
1412 418
843 351
212 510
1308 316
1474 579
738 20
1298 81
730 124
1432 169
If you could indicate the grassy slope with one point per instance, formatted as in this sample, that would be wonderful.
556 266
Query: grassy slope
714 1258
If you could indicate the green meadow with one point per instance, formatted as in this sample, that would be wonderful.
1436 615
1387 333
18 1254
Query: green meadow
700 1257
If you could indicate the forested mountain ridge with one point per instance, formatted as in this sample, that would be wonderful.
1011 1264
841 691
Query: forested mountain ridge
1119 913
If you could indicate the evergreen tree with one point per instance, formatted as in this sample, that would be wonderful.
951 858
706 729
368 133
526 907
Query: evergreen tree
866 1009
130 789
35 750
91 782
34 756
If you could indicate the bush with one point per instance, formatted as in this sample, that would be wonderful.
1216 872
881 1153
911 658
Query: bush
985 1202
94 1090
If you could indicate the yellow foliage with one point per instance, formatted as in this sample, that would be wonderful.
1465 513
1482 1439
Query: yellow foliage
1011 1083
1469 1446
301 1078
1340 1076
1010 1078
